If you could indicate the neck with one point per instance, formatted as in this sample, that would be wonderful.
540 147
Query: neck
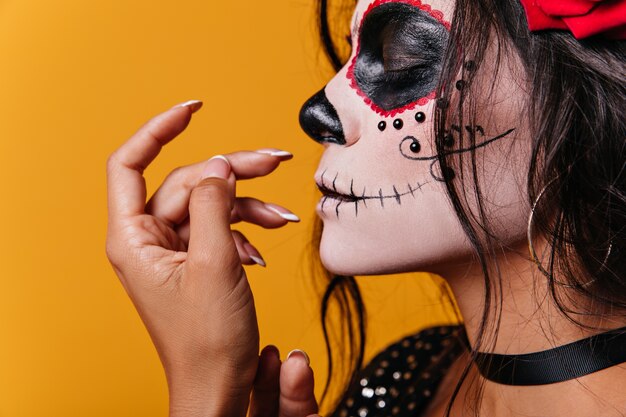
530 321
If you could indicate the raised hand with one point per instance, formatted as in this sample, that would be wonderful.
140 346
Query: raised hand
181 264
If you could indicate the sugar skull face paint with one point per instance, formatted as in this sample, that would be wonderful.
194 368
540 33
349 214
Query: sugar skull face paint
398 55
384 205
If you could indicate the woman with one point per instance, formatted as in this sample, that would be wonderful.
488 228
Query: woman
456 136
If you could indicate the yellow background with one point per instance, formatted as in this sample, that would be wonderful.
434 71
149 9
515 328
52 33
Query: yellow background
76 79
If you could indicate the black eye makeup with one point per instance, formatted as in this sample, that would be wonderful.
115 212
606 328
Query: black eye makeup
399 55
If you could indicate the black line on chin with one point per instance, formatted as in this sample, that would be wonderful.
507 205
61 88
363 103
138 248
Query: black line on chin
397 195
324 202
411 190
380 195
363 198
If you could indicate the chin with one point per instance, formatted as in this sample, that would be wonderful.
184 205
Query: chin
362 251
372 257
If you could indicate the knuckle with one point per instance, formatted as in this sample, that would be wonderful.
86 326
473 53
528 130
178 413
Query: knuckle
222 263
178 174
113 253
112 162
210 190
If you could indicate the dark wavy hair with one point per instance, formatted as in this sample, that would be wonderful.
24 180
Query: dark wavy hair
576 177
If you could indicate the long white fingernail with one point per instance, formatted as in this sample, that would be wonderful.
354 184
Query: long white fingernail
215 169
194 105
258 261
254 254
287 216
282 154
301 353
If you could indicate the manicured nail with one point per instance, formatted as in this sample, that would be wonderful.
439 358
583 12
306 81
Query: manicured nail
216 167
284 155
301 353
254 254
271 350
194 105
283 212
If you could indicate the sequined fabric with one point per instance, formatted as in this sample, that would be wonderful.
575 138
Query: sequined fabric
402 379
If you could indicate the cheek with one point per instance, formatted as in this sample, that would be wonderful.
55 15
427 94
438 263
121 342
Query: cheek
413 226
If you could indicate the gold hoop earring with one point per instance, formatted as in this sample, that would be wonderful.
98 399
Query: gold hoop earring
533 253
529 235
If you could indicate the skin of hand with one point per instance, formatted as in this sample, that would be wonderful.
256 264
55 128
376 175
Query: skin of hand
182 266
283 389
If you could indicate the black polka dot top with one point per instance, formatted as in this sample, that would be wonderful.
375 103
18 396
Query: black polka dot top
401 380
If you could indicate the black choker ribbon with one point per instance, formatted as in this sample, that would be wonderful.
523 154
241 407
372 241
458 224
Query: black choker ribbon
559 364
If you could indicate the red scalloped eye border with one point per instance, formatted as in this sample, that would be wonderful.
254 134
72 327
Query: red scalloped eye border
438 15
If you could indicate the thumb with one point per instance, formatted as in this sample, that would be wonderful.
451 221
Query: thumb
297 396
210 240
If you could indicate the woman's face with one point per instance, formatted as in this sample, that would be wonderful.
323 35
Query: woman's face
384 204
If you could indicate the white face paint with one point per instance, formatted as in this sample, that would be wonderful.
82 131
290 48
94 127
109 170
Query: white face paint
385 208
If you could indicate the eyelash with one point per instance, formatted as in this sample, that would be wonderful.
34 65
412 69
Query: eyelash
349 39
403 75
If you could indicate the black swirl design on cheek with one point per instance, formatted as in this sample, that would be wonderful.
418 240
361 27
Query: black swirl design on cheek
410 148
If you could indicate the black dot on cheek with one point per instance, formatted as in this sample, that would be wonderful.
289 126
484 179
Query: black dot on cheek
449 174
415 146
448 140
469 65
398 123
420 117
460 84
382 125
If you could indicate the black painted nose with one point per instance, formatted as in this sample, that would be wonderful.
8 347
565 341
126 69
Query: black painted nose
319 120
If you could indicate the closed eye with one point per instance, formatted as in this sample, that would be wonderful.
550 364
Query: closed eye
401 63
400 54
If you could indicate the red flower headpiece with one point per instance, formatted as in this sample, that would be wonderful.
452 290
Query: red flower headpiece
583 18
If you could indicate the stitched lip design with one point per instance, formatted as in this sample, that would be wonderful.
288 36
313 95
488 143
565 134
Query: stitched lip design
330 191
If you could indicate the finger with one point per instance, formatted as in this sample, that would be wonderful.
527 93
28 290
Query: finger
266 215
171 200
211 244
183 230
248 254
249 210
239 243
126 185
296 386
266 388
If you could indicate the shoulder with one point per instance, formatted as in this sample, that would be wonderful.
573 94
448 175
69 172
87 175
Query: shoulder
405 375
